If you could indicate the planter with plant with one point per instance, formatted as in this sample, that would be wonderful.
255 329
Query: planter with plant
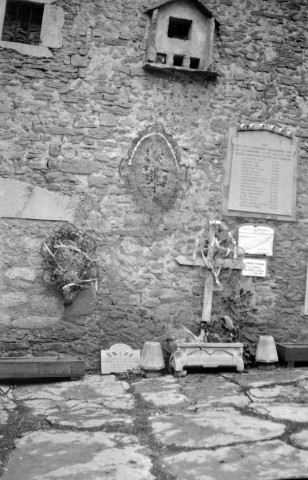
220 340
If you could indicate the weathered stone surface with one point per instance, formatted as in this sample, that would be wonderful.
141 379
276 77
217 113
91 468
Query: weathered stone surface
300 438
6 406
52 25
22 200
213 428
96 80
78 61
24 49
79 167
280 393
78 455
12 299
295 412
93 402
22 273
165 392
206 390
259 461
35 322
255 378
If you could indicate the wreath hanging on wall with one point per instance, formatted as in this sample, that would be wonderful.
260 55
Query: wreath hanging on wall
69 261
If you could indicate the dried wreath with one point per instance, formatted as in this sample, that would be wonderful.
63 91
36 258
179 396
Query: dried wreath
219 244
68 261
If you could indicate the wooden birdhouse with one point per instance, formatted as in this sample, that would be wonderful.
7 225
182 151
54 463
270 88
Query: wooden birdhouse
181 37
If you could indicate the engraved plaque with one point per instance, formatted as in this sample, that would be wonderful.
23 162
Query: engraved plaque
256 240
261 175
119 358
254 267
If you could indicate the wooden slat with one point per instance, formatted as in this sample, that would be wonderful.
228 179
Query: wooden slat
199 262
207 297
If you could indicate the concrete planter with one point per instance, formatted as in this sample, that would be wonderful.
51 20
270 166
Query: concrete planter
41 367
206 355
292 352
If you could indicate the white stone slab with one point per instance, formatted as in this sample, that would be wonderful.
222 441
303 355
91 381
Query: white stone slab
293 412
22 200
301 438
78 455
213 428
254 267
256 240
271 460
281 393
53 21
6 405
162 392
119 358
93 402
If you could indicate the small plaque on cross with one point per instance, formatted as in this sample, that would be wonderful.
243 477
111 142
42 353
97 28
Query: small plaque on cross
254 267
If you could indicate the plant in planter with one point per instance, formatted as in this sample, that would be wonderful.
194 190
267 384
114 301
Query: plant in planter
69 261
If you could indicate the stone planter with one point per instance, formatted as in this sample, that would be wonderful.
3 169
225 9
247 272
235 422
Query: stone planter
206 355
290 353
41 367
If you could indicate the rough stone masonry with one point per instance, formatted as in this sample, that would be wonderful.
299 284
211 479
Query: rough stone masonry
67 121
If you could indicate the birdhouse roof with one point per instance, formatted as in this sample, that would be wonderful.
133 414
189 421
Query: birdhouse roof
196 3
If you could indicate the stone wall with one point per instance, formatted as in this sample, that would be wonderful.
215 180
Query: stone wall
67 123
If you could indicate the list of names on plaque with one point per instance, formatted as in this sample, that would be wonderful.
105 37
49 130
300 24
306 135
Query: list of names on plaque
261 177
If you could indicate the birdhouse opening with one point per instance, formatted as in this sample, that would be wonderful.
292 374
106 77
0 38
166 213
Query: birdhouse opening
179 28
178 60
194 63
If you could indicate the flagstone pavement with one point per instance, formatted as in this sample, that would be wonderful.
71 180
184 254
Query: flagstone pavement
205 426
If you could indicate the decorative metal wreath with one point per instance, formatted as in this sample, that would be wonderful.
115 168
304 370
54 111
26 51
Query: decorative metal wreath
152 171
69 261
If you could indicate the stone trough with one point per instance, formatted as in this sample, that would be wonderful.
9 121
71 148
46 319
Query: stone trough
206 355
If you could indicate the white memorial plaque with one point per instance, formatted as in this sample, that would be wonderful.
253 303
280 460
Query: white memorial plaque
256 240
119 358
254 267
260 179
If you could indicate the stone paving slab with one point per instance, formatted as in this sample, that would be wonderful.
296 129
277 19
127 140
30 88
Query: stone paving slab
271 460
62 455
293 412
210 414
259 378
6 391
212 428
83 415
162 392
213 390
106 390
6 405
300 439
88 403
279 393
